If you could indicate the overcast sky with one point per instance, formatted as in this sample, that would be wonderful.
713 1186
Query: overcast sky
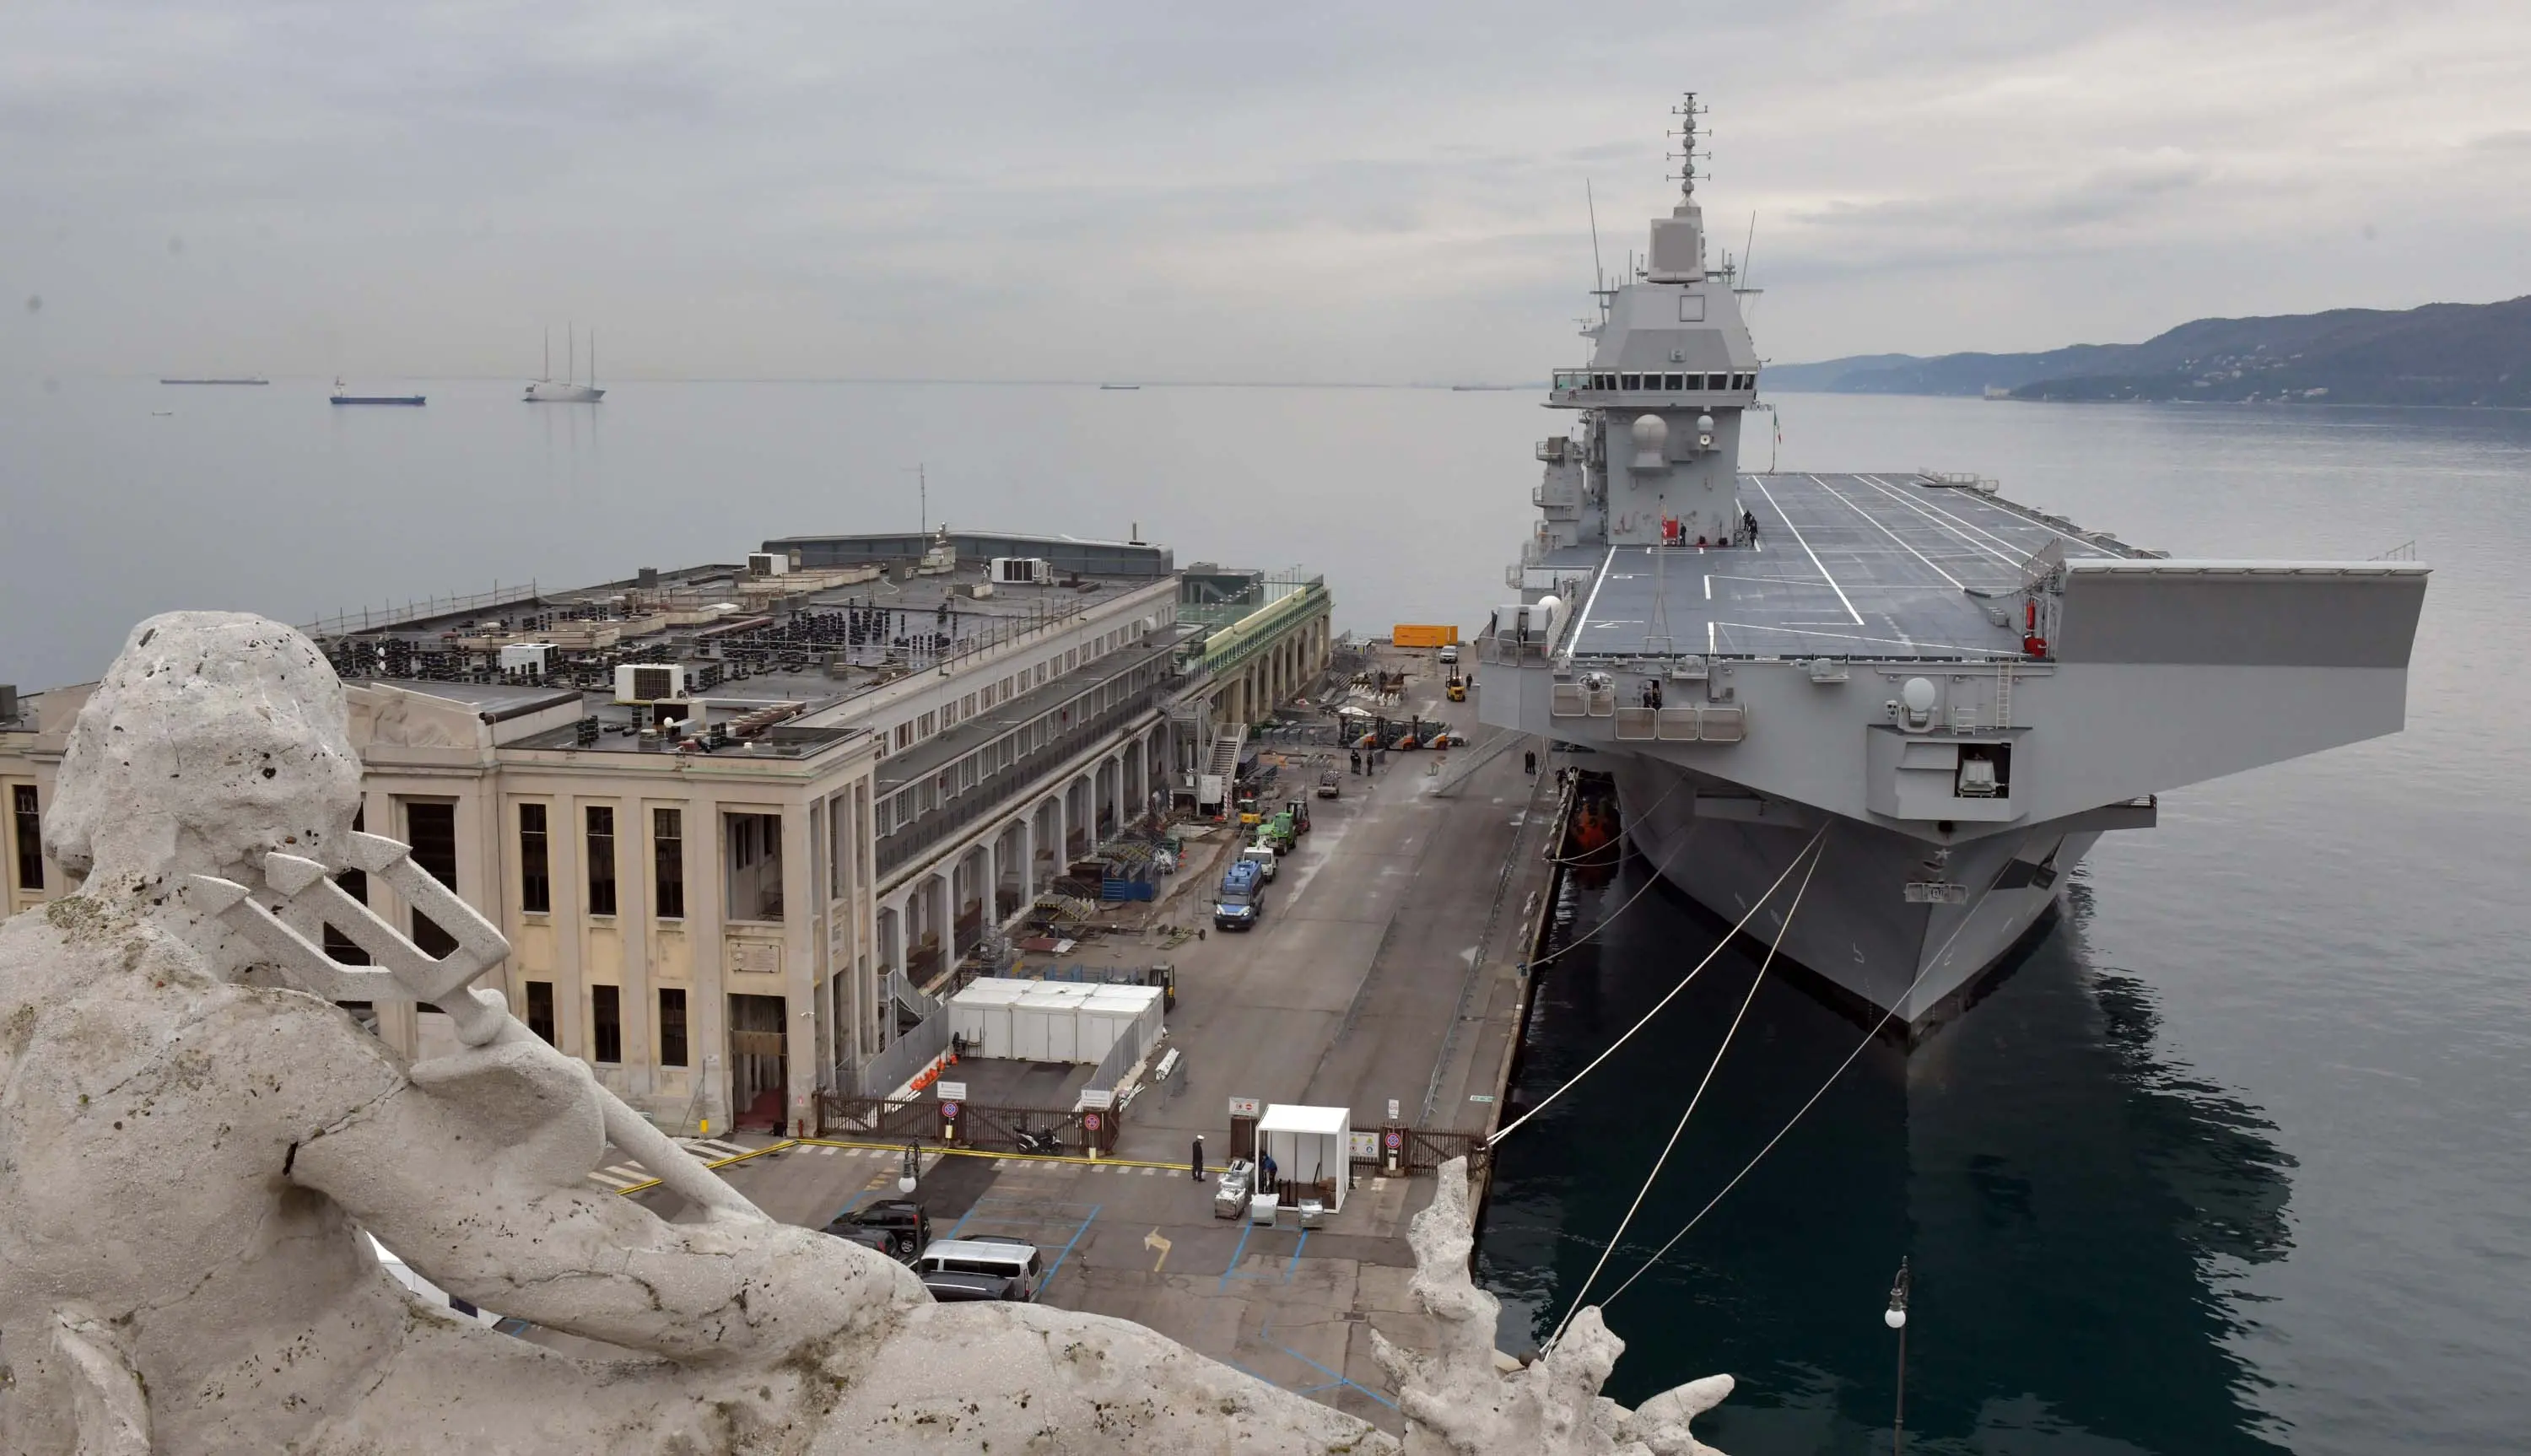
1275 191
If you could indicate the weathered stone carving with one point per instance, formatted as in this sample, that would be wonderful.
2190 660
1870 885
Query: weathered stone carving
1460 1406
192 1136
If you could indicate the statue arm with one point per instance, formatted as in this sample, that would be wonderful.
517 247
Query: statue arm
474 1171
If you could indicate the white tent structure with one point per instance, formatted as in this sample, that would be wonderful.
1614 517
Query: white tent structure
1310 1144
1053 1020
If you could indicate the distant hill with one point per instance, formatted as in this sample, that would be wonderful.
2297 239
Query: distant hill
2440 354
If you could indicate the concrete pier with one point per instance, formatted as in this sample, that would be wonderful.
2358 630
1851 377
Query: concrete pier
1387 969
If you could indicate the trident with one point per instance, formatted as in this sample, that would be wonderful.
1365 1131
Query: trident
309 900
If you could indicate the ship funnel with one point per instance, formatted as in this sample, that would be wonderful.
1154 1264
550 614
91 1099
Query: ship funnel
1651 438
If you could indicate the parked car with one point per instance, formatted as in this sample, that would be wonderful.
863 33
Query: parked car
896 1227
1013 1262
949 1289
1330 784
1450 652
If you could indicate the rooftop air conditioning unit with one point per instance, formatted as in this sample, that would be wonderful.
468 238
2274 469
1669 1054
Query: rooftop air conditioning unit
1023 571
651 682
768 564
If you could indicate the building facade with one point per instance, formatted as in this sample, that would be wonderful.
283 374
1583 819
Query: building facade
727 888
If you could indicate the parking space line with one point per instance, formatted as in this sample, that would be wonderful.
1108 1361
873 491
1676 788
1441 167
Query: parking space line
1068 1242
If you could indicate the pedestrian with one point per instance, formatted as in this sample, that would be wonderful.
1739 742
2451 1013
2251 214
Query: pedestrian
1195 1159
1265 1166
1528 762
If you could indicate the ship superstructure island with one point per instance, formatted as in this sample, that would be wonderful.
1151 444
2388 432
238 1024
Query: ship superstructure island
1944 695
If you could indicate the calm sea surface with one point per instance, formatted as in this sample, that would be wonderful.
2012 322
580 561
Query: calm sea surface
2239 1161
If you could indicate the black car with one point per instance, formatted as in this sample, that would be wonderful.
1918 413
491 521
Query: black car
896 1227
948 1288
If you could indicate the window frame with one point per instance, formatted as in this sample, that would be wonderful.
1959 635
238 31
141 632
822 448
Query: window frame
667 863
598 845
675 1042
536 859
606 1024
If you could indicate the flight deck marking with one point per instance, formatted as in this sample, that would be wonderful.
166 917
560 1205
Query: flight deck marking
1814 555
1885 530
1153 1240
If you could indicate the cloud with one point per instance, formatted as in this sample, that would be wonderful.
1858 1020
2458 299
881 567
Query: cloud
1296 191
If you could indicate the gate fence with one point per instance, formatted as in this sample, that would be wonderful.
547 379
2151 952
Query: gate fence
985 1129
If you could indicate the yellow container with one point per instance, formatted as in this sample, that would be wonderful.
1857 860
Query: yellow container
1412 634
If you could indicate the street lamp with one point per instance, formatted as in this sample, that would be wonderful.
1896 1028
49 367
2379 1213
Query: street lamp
1895 1316
905 1176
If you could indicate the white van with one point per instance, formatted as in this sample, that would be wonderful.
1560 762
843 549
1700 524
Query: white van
1262 856
964 1265
1450 652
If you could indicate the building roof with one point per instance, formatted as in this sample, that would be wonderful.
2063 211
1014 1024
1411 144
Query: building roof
855 614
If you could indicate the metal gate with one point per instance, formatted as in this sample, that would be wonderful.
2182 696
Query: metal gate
985 1129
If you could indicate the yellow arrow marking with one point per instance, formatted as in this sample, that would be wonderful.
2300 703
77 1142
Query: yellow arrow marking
1153 1240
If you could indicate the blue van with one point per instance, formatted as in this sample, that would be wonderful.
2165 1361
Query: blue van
1242 898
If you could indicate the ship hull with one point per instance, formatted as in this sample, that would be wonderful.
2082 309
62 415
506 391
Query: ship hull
1872 950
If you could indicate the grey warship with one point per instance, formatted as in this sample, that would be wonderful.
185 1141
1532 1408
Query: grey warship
1949 694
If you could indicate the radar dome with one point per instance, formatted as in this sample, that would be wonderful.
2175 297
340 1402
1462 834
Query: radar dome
1651 434
1919 694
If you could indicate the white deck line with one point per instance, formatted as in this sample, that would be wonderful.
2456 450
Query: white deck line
1856 637
2018 518
2001 539
1606 566
1806 548
1885 530
1950 525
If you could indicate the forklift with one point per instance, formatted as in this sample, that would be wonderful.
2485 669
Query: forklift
1457 687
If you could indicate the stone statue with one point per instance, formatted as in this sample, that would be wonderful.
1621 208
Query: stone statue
192 1138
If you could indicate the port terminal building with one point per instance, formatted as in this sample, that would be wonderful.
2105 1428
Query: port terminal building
740 821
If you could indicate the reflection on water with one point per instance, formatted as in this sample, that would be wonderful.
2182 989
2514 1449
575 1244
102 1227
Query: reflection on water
2075 1208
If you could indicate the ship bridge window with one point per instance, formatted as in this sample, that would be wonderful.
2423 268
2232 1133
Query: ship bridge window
1744 381
1696 381
1676 383
1603 382
1630 382
1717 381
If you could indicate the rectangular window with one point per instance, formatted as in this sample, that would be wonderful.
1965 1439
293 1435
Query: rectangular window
540 1009
754 877
601 860
967 706
904 735
926 725
672 1026
668 864
839 818
430 827
1717 381
535 879
338 946
1630 382
30 836
1674 383
605 1024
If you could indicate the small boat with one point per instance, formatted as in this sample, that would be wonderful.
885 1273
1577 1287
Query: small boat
240 380
547 391
341 398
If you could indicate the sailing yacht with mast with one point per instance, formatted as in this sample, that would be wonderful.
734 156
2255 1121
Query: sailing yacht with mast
547 391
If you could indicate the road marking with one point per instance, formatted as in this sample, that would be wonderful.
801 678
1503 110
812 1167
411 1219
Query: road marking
1153 1240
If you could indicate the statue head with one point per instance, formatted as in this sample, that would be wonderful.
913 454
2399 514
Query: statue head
215 738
